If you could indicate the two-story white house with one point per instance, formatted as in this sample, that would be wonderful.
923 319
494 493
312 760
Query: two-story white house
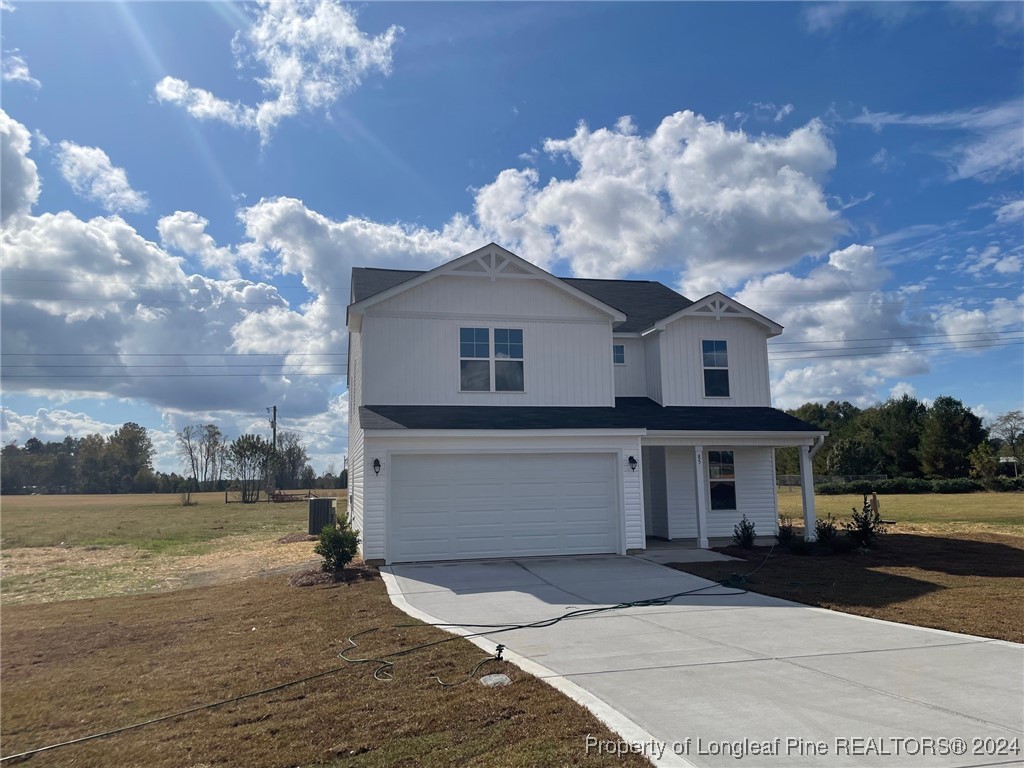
499 411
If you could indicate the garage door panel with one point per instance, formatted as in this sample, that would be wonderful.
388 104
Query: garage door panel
508 505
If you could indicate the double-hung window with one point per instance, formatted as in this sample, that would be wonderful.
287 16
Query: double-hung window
491 360
619 354
722 475
716 369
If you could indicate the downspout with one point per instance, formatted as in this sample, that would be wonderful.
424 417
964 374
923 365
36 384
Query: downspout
819 441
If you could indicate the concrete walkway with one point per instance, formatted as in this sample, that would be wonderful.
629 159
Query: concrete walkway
725 679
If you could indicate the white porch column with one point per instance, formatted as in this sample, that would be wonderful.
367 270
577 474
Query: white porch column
702 499
807 490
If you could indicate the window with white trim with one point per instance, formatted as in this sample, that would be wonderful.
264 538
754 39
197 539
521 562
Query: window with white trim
487 367
722 476
716 368
619 354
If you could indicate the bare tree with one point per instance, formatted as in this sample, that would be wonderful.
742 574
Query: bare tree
1009 428
211 456
189 452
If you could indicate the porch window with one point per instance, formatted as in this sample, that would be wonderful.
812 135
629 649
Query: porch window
484 367
619 354
722 473
716 368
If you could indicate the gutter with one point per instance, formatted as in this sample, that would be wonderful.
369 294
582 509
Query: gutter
818 443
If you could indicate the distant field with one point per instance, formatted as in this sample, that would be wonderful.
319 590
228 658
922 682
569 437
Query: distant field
70 547
154 522
939 512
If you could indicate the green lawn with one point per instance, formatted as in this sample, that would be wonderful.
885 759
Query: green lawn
998 512
151 522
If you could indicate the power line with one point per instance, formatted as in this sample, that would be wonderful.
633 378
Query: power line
177 354
887 338
165 375
880 353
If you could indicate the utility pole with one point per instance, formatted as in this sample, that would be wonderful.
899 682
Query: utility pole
273 425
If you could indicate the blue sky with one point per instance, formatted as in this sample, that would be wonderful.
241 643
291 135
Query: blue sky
196 180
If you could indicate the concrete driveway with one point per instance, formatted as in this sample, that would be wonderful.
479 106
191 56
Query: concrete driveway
736 679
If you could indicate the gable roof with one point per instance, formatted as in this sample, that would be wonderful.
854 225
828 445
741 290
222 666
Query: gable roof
718 305
647 304
491 259
628 413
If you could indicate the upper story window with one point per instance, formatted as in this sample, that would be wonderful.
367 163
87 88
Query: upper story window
487 367
716 369
722 476
619 354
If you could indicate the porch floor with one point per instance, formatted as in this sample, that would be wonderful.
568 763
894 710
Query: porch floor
680 551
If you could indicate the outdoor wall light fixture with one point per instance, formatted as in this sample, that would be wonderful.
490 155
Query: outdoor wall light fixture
376 466
632 463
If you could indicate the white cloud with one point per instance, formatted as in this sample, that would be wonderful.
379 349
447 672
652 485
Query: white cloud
901 388
91 175
826 17
771 112
993 146
1010 212
15 70
19 182
313 53
185 231
693 197
844 331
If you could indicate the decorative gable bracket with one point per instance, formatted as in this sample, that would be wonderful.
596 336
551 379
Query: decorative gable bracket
718 306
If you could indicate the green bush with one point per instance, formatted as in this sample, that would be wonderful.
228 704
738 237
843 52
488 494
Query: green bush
338 544
1005 483
830 489
743 533
903 485
865 525
786 531
956 485
825 530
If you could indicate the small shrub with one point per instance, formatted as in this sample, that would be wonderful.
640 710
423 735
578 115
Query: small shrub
903 485
865 525
743 533
786 531
825 530
338 544
1005 484
801 547
859 486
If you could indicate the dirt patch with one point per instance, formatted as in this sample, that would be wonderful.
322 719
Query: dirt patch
50 574
961 582
131 659
293 538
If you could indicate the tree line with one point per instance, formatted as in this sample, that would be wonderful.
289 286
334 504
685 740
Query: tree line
904 437
122 462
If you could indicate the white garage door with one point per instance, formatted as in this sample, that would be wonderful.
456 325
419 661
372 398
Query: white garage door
449 507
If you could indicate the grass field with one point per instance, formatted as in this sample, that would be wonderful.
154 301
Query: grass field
68 547
953 512
952 562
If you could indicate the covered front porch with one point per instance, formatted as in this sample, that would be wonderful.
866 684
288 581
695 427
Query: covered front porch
698 487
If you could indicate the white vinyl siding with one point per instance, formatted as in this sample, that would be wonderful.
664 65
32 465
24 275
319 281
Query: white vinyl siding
355 434
683 366
652 364
755 495
416 362
631 377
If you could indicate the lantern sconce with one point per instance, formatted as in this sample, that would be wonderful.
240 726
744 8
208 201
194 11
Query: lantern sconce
632 463
376 466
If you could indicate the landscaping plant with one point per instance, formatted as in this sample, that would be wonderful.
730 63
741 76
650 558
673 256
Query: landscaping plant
825 530
786 530
866 524
338 544
743 533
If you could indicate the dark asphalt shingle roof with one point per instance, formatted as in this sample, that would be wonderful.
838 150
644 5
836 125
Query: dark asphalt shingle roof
644 302
628 413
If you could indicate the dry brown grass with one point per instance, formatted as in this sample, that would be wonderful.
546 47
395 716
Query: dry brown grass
75 668
962 582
